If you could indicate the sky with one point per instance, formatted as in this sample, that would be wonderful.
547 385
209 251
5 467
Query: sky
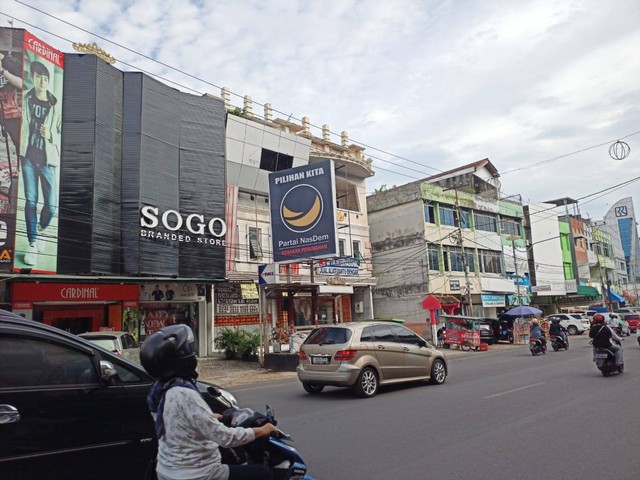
540 88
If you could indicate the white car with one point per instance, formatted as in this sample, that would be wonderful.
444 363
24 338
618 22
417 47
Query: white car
575 323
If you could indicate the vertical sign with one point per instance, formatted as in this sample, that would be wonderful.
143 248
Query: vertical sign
10 117
36 237
303 212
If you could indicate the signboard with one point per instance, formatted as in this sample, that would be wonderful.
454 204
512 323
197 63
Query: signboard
237 299
340 266
169 292
541 288
493 300
303 212
266 274
73 292
454 285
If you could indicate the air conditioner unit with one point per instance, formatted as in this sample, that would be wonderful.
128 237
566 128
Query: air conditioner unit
359 307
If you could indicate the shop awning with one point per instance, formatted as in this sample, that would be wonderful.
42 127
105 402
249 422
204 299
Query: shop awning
615 297
588 291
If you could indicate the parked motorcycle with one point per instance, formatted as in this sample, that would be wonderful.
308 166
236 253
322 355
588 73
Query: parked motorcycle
558 342
276 452
606 362
536 346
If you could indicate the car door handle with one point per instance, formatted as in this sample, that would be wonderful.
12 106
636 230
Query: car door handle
406 349
380 347
9 414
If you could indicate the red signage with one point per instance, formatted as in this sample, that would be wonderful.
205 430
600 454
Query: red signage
74 292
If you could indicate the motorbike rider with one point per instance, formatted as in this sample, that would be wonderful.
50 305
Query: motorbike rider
535 331
188 432
558 330
604 337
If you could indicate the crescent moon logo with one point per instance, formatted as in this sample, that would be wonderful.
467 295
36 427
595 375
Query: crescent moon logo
301 208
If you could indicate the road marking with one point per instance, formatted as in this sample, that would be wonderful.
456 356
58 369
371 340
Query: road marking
516 389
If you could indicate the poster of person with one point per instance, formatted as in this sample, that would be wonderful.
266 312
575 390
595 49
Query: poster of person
11 71
36 238
130 322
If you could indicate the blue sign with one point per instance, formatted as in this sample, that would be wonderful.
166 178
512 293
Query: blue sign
303 213
339 266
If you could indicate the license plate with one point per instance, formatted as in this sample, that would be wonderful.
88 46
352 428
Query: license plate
320 360
601 355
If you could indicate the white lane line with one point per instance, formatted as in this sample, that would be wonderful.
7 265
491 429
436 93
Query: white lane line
516 389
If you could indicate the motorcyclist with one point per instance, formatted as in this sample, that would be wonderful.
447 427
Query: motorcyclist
604 337
556 329
188 432
535 331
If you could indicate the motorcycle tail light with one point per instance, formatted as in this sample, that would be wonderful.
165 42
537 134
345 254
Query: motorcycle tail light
302 356
345 355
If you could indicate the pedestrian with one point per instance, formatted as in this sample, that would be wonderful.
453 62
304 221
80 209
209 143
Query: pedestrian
40 145
188 432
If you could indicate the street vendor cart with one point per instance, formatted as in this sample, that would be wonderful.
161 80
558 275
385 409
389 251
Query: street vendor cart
462 331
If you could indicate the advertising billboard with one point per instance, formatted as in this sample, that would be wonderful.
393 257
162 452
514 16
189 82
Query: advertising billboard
36 236
303 212
11 84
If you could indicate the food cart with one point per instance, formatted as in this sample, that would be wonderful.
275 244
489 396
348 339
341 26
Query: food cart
461 331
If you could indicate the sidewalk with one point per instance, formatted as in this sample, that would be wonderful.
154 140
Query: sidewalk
227 373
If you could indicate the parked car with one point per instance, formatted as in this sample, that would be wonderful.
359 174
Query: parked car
69 409
633 319
575 323
624 310
365 355
120 343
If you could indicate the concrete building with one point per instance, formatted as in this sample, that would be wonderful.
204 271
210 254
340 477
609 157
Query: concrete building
450 234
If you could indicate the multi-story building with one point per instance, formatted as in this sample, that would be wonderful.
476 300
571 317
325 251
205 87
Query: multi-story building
450 234
621 222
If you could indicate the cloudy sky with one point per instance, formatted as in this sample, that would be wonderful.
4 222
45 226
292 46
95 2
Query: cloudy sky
541 88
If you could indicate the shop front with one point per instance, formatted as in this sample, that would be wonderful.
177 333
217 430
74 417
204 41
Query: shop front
76 307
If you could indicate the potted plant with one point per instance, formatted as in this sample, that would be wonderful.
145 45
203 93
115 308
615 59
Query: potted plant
249 345
230 341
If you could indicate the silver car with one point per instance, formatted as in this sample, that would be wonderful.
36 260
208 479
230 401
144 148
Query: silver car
120 343
365 355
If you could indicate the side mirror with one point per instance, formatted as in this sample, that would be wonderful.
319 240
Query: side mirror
422 343
107 370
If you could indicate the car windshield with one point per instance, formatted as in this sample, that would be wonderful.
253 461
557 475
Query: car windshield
330 335
106 343
579 316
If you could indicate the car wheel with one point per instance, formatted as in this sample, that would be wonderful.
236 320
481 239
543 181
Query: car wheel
312 388
572 330
438 372
367 384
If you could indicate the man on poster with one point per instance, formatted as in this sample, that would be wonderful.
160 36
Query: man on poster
40 158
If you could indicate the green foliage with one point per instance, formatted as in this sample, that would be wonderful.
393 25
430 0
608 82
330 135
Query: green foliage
238 342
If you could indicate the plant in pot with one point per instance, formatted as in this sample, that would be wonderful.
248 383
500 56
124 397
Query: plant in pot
230 341
249 345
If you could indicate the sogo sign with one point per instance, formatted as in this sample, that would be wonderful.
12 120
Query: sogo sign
173 221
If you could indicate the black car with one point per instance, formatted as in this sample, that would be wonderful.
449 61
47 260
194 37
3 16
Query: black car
72 410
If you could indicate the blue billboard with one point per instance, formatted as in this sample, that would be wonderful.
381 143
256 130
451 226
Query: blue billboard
303 213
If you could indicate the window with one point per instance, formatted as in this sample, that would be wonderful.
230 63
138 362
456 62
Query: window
510 227
429 214
341 247
485 222
357 251
433 257
382 333
366 335
28 362
405 335
464 221
447 216
274 161
255 248
329 335
453 261
490 262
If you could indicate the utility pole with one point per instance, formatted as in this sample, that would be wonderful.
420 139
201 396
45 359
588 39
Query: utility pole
464 258
515 267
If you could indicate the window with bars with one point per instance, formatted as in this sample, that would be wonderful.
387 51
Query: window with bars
490 262
484 222
255 247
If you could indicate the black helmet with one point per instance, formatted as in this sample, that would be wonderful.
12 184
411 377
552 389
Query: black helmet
169 353
555 321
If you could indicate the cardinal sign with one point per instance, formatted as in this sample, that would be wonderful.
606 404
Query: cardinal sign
303 212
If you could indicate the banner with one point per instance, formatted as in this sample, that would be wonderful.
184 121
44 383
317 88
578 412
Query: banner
36 236
303 212
11 83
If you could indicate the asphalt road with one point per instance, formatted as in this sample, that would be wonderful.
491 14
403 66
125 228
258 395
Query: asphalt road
502 414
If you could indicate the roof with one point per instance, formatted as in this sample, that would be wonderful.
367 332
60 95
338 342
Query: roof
470 166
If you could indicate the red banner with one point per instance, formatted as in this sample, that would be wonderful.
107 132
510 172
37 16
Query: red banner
43 50
73 292
459 337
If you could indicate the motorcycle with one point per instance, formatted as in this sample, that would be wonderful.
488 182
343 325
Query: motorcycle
558 342
606 362
276 452
536 346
